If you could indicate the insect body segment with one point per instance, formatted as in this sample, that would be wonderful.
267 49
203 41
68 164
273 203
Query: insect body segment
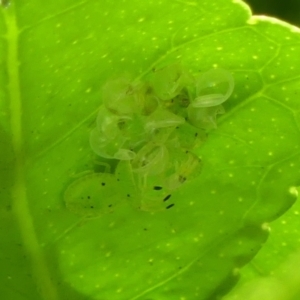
152 128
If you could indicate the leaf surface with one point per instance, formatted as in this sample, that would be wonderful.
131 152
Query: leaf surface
55 57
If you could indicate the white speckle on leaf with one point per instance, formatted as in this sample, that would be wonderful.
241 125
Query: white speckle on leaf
266 227
293 190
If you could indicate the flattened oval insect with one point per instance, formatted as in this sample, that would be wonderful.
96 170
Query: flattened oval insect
121 96
156 188
204 117
213 88
152 159
168 82
96 194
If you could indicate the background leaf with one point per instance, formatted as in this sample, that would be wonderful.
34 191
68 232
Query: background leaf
55 57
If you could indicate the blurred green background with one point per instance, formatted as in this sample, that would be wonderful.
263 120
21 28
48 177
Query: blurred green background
287 10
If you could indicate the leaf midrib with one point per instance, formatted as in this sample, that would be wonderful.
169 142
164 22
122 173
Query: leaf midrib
20 206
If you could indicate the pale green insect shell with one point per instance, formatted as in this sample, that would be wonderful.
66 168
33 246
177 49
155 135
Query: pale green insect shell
185 167
187 137
110 148
121 96
116 136
93 195
160 124
106 139
97 194
204 117
213 88
152 159
168 82
156 188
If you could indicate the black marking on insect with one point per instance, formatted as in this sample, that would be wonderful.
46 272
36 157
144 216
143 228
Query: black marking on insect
169 206
157 188
167 197
103 183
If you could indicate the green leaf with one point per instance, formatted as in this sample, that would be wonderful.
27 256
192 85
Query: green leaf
272 274
55 57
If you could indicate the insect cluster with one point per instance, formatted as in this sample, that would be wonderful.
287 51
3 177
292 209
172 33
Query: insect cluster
153 127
